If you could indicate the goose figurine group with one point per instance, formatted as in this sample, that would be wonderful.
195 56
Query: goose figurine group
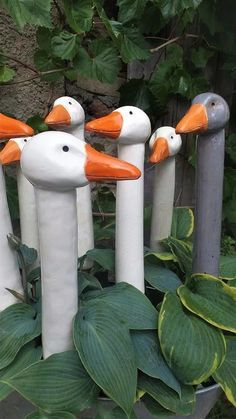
53 178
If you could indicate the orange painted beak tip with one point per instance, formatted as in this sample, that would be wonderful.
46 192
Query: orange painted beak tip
108 126
10 127
195 120
58 116
160 151
10 154
101 167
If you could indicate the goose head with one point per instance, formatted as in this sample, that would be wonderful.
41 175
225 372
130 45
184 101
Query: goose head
11 153
59 161
209 112
66 114
164 143
127 124
11 127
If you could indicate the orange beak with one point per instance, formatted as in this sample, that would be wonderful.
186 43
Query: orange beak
10 127
11 153
58 117
160 151
107 126
195 120
100 167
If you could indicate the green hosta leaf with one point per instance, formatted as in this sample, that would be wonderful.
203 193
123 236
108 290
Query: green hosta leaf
28 355
104 257
211 299
79 14
130 304
57 415
12 196
200 57
6 73
105 348
182 252
45 62
161 278
29 254
150 359
116 413
87 282
182 223
172 8
225 375
101 63
167 397
130 9
155 408
192 348
29 11
164 256
18 326
65 45
228 267
58 383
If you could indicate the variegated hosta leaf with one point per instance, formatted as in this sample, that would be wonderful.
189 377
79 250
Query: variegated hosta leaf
182 223
192 348
211 299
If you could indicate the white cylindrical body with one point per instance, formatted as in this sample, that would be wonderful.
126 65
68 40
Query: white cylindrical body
163 200
57 219
9 269
129 221
28 213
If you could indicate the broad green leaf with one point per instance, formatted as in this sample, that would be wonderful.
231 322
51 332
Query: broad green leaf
43 415
136 93
228 267
161 278
130 9
104 257
130 304
29 254
211 299
29 12
28 355
167 397
182 252
192 348
132 45
225 375
65 45
182 223
164 256
79 14
150 359
37 123
6 73
43 36
116 413
87 282
172 8
19 324
155 408
12 196
101 62
58 383
104 345
200 57
45 62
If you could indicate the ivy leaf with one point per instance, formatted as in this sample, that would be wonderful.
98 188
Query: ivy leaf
65 45
200 57
151 21
79 14
171 8
101 62
29 11
45 62
130 9
137 93
6 73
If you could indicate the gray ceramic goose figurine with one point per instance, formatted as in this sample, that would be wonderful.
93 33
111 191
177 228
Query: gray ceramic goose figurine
207 117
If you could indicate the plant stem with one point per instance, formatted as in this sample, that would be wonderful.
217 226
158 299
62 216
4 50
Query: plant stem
172 41
9 57
40 74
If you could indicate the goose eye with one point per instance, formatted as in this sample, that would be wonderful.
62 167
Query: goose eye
25 140
213 104
65 148
70 103
130 112
171 137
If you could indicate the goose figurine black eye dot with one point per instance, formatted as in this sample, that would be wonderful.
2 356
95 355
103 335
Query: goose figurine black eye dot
131 128
164 145
9 270
207 117
28 217
57 163
68 115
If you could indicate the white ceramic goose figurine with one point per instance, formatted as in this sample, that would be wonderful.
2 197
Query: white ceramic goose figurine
57 163
164 145
9 269
28 216
131 128
68 115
